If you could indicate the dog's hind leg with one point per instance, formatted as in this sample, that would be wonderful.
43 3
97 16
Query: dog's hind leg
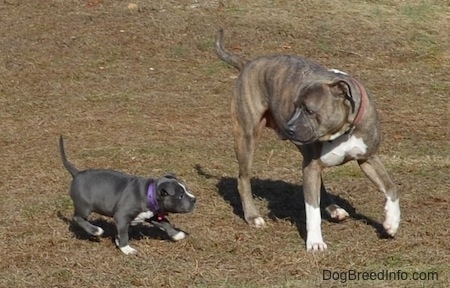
335 211
375 171
247 128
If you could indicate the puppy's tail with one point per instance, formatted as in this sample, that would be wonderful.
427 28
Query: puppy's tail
233 59
72 170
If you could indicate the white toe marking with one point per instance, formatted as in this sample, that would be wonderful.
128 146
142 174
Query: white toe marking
128 250
259 222
392 209
314 240
99 232
179 236
339 214
336 151
337 71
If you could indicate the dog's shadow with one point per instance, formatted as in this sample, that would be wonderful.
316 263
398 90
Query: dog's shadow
284 201
138 232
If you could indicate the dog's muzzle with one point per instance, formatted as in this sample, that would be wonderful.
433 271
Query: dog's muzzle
298 128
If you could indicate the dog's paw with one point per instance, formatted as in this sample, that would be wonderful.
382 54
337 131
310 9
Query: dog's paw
127 250
257 222
314 241
179 236
339 214
316 246
99 232
392 221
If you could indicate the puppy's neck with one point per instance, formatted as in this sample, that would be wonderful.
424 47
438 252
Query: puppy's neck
152 202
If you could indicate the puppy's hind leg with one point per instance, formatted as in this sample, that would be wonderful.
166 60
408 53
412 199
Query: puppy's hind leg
80 217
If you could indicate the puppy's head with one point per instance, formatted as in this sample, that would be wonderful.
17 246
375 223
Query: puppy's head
173 196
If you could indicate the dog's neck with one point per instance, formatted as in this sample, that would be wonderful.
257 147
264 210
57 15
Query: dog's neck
152 203
362 104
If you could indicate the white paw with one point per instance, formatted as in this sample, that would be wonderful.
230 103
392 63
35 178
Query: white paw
314 241
99 232
316 246
128 250
392 209
179 236
258 222
339 214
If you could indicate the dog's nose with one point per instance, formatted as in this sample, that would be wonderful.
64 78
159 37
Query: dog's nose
290 129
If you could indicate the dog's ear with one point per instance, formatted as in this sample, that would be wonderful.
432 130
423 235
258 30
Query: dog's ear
346 87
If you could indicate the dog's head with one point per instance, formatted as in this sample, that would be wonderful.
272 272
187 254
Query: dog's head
324 110
173 196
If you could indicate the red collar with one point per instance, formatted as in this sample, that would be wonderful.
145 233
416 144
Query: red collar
362 104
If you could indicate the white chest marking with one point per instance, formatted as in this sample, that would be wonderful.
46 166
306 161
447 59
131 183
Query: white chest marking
336 151
141 217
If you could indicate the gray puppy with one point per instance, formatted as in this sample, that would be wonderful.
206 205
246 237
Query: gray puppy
128 199
330 117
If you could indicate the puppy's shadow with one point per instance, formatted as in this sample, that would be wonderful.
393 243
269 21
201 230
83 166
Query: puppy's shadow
138 232
284 200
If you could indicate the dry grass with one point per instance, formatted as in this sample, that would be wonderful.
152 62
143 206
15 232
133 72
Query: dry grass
141 90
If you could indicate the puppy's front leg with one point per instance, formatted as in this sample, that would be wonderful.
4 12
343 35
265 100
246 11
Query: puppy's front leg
122 238
311 191
165 225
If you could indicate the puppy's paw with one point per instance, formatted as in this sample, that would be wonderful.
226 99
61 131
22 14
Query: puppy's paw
99 232
179 236
127 250
257 222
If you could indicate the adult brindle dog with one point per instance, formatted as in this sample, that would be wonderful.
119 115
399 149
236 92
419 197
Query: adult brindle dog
328 115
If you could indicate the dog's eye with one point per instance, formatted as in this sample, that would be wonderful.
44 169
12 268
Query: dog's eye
307 110
164 193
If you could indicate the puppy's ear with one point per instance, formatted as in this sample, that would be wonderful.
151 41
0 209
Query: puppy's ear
170 176
166 189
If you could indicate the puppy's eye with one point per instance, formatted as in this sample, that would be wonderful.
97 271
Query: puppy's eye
164 193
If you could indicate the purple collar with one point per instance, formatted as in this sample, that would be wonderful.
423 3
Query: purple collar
151 198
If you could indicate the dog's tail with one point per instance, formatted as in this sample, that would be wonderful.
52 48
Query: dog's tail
233 59
72 170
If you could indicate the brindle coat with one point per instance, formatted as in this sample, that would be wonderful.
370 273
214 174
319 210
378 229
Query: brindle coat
328 115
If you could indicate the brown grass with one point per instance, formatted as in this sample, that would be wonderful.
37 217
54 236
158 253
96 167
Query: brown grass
141 90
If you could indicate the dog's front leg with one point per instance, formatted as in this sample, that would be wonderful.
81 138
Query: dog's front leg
375 171
165 225
122 224
311 191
